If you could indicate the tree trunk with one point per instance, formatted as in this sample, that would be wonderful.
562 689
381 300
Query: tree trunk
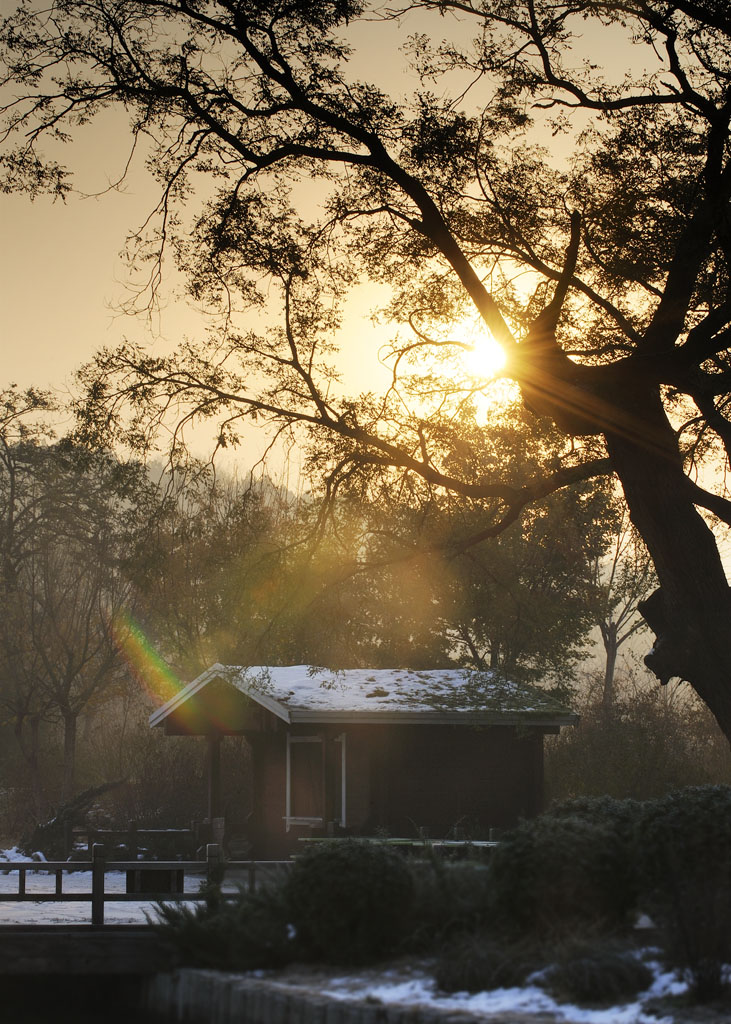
69 755
31 753
691 612
35 767
611 648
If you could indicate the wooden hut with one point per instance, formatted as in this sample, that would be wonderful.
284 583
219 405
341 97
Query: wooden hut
440 753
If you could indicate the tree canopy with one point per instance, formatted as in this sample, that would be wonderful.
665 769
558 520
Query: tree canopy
577 206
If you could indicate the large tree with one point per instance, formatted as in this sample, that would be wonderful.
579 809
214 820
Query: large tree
599 264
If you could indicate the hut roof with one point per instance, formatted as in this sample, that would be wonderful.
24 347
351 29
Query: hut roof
305 693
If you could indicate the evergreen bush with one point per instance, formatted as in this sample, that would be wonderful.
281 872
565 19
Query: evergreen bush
450 897
596 972
685 871
349 902
245 933
620 815
478 961
559 874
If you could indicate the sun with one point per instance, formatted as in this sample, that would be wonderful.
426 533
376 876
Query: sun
482 357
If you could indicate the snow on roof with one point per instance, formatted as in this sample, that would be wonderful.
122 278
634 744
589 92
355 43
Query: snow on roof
301 693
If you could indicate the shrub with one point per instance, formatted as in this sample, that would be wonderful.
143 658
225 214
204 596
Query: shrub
596 971
450 897
478 961
685 871
245 933
557 875
653 740
620 815
349 902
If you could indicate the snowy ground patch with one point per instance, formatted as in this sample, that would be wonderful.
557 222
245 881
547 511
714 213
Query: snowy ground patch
403 986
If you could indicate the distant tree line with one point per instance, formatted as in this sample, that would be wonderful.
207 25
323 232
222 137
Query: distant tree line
119 581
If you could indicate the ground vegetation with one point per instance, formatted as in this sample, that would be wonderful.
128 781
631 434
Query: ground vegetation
648 743
557 901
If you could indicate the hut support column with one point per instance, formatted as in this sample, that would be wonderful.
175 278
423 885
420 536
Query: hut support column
214 775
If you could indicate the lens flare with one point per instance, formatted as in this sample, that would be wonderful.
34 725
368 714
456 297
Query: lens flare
148 668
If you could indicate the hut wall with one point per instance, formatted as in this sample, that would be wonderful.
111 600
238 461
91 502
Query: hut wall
442 780
406 781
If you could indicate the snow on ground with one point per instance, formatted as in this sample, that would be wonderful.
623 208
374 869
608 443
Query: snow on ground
403 985
73 882
416 987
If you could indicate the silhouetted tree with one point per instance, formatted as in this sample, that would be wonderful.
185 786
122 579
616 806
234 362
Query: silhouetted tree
623 337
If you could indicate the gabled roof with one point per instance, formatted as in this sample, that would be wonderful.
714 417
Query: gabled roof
303 693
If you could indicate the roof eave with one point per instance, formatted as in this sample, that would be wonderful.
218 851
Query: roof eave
528 719
216 671
158 717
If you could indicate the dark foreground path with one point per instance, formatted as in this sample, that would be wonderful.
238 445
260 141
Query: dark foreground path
77 974
77 950
53 999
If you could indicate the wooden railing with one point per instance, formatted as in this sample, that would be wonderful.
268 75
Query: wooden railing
136 839
213 869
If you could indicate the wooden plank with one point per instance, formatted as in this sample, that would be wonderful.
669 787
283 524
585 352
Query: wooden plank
97 884
45 897
82 951
214 868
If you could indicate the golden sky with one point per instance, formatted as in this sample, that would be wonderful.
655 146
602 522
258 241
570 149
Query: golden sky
61 276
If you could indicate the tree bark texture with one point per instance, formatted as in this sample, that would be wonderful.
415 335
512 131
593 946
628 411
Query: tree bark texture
69 755
611 648
691 612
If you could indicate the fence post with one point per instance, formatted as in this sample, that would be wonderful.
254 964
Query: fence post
213 864
98 866
132 840
68 838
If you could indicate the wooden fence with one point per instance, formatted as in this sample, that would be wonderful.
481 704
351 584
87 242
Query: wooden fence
142 877
135 839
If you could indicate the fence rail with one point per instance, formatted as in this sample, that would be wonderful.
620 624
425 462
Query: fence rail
134 838
213 868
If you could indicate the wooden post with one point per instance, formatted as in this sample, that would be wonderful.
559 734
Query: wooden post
213 862
256 820
68 838
21 881
59 881
328 794
214 775
98 866
132 840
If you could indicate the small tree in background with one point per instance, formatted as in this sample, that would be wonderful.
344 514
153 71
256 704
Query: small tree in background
618 582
